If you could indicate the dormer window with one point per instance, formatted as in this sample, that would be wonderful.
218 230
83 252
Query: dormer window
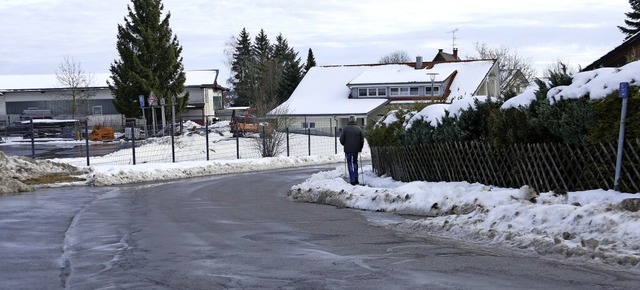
372 92
436 90
404 91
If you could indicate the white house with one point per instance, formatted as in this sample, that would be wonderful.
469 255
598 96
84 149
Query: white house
334 92
19 93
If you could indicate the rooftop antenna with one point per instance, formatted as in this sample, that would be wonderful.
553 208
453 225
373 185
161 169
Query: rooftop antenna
453 38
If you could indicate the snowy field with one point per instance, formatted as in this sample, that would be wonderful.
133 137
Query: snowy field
587 226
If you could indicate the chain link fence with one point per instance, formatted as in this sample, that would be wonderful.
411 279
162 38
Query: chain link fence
186 141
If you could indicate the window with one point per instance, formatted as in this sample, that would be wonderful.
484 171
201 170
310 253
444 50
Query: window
308 125
372 92
404 91
217 103
436 90
97 110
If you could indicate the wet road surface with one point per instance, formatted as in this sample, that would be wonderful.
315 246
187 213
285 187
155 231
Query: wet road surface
240 231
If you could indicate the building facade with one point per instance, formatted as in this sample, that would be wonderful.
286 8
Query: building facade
24 96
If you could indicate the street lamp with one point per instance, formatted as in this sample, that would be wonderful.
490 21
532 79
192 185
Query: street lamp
432 76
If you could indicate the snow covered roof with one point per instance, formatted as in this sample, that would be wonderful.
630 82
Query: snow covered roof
49 81
325 91
392 74
470 76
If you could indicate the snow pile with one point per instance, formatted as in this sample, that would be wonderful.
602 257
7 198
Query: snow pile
589 225
16 170
123 174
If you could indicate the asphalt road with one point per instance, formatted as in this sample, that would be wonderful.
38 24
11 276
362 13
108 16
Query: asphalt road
240 232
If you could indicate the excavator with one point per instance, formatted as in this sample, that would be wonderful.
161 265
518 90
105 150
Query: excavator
240 126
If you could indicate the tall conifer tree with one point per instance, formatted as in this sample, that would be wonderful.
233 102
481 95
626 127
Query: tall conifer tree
264 74
632 21
311 61
149 61
262 49
291 70
291 76
241 68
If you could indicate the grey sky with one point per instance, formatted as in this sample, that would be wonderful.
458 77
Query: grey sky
35 35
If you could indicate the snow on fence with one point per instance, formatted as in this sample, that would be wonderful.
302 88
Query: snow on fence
545 167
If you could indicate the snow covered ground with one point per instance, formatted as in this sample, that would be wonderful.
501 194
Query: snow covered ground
586 226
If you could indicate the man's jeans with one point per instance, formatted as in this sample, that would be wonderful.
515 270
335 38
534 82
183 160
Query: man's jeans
352 165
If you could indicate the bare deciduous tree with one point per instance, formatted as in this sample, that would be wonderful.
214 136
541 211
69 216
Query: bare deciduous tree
510 64
398 56
77 86
272 141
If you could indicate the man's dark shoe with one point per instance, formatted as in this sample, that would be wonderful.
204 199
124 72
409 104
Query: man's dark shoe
354 182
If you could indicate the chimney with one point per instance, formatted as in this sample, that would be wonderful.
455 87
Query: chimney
455 53
418 62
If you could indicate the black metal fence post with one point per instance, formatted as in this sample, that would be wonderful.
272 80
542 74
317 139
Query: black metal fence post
33 141
264 142
287 130
173 144
238 146
133 140
309 140
86 135
206 136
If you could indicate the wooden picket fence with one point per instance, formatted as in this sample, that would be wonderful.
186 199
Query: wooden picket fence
545 166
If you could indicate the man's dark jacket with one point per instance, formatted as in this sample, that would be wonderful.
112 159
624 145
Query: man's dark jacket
352 138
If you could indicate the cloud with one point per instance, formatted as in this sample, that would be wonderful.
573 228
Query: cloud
38 33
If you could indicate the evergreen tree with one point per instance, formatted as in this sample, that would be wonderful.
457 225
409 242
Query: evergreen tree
474 122
281 49
291 77
447 130
267 76
420 132
149 61
311 61
261 48
607 117
289 61
632 21
241 69
264 74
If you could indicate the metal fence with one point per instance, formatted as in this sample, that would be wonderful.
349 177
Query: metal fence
187 143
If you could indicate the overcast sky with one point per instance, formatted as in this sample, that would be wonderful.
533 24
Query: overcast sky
35 35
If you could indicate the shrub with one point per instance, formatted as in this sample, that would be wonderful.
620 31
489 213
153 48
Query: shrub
420 132
380 134
474 122
607 117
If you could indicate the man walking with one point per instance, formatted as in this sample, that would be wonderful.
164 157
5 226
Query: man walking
352 139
